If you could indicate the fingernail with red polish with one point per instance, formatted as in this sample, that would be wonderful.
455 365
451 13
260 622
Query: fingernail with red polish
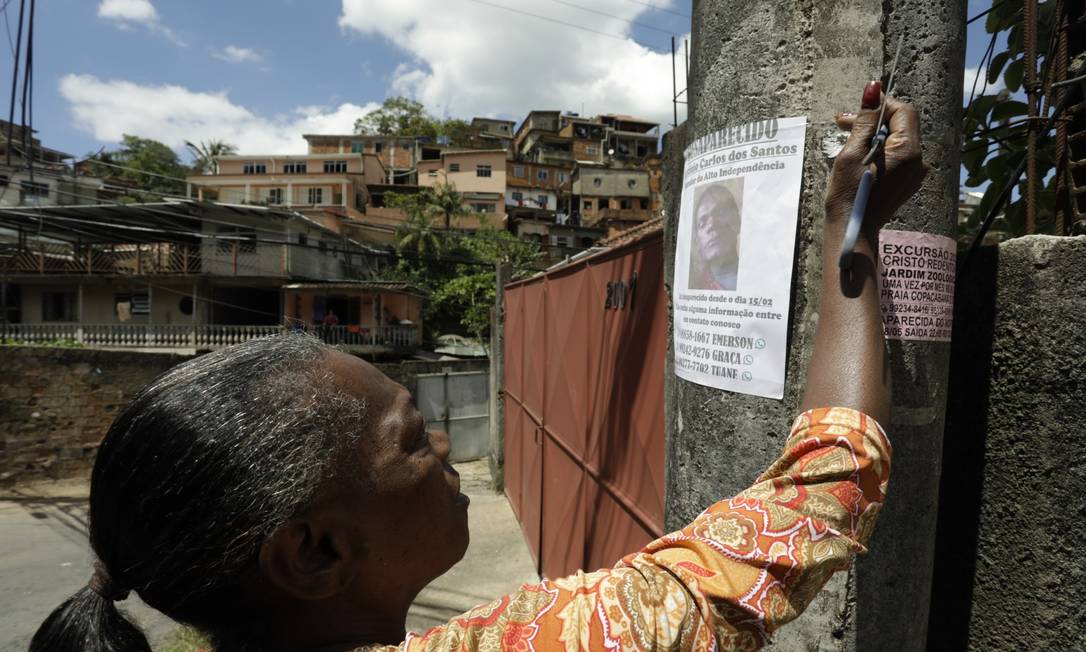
872 95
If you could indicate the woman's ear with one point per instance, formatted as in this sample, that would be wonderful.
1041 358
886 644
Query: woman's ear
314 556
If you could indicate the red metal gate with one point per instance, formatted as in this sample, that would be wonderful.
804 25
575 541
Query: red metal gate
584 406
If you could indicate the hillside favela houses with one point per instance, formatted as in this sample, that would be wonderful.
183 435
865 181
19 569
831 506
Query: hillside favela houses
266 242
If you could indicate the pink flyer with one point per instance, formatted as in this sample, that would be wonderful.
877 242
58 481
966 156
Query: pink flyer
916 285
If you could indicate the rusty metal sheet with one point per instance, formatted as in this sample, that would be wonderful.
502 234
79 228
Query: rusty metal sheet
584 407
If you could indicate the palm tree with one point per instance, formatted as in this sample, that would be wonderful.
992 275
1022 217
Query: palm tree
205 153
417 233
446 201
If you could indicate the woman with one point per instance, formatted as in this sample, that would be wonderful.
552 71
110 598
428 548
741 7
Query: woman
281 495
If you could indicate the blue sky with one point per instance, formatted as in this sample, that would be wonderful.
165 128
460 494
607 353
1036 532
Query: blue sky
260 73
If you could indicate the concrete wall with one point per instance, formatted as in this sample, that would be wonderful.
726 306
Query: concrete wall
56 404
1010 573
99 300
759 60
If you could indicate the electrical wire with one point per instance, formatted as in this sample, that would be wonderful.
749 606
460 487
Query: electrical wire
607 15
552 20
659 8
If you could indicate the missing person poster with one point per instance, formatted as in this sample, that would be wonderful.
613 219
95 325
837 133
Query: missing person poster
733 259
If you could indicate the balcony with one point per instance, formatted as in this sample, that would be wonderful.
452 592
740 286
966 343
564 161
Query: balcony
164 258
204 337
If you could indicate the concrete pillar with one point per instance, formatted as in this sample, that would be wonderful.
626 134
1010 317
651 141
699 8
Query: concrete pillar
504 273
773 59
290 195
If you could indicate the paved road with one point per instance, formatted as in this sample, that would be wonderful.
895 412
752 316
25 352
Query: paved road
44 558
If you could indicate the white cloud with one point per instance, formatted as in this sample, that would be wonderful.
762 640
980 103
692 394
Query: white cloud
971 76
235 54
471 58
137 11
107 109
126 12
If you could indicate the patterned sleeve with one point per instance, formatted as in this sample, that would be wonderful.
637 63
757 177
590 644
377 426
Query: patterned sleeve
743 568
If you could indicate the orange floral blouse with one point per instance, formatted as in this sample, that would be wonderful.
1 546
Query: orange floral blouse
727 581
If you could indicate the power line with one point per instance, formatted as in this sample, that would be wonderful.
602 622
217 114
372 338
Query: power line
552 20
607 15
659 8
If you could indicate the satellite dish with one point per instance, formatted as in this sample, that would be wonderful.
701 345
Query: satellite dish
611 152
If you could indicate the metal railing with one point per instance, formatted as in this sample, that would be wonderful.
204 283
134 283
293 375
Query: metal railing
138 259
348 337
199 336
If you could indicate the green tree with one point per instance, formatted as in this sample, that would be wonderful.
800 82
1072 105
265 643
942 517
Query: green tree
417 234
449 203
456 267
995 126
141 164
398 116
204 154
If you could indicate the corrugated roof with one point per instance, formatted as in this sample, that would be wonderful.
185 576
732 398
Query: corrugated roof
386 286
633 234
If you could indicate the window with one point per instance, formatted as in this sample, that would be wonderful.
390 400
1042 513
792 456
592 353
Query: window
644 204
335 166
29 189
58 306
518 171
254 168
358 148
316 196
294 168
482 170
275 196
303 239
540 174
562 177
588 204
642 150
518 196
483 208
624 204
378 148
592 149
454 167
245 239
141 304
559 241
541 200
323 246
432 173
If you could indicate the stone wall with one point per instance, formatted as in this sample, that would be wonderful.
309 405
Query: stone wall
1010 573
56 404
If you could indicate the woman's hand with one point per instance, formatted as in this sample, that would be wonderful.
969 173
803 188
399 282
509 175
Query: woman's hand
899 168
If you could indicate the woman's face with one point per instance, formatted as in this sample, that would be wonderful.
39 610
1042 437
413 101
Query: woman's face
412 515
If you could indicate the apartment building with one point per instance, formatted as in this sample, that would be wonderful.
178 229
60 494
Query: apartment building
612 198
399 155
319 185
532 188
52 182
478 174
493 133
629 138
588 138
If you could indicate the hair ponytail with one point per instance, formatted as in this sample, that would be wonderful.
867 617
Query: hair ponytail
88 622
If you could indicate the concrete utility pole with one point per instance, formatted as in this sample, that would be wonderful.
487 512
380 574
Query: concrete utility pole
756 60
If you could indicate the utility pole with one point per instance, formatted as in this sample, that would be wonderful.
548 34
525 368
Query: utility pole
823 55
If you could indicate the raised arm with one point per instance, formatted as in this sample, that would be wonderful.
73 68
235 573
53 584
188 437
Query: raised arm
849 366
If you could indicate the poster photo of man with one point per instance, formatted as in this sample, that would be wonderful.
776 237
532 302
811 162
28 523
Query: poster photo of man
714 236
